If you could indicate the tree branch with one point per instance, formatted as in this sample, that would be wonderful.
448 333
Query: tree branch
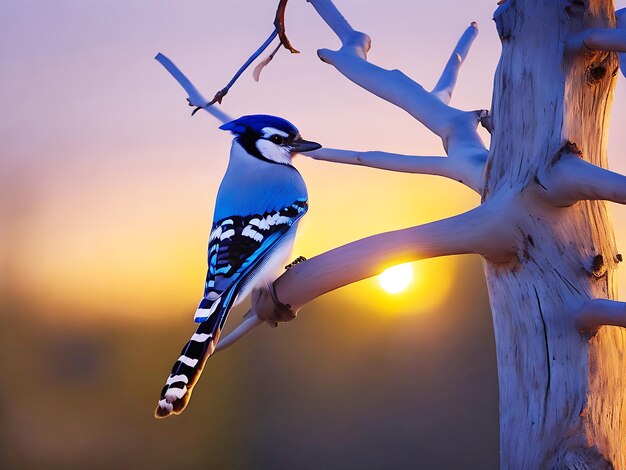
604 39
467 171
573 179
600 312
390 85
340 26
483 230
250 321
194 97
445 86
456 128
620 19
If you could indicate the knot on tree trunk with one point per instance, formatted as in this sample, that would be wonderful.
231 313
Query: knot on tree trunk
568 148
576 8
600 63
599 267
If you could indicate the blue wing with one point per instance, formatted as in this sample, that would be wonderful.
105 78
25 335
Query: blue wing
237 248
238 245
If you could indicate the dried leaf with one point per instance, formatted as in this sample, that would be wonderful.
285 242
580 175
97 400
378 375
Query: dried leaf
256 73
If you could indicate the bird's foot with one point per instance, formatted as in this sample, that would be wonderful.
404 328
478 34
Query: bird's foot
298 260
267 307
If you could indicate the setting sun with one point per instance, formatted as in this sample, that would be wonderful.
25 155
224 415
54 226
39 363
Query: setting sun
397 278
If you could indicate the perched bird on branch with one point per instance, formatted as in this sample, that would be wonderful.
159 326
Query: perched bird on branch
260 201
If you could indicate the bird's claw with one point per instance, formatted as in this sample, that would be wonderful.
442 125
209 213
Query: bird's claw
298 260
269 309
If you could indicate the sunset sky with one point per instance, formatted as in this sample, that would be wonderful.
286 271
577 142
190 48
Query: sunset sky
108 184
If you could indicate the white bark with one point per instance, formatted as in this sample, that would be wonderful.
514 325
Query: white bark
485 230
620 18
562 395
445 86
194 97
251 320
467 171
456 128
604 39
600 312
573 179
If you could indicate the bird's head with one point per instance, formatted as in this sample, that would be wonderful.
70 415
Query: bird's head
269 138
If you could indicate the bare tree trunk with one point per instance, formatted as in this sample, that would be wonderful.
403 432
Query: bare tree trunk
562 394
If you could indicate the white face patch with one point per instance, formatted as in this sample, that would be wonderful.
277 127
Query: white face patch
270 131
274 152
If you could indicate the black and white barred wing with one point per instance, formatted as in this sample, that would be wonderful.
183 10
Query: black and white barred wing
237 244
243 244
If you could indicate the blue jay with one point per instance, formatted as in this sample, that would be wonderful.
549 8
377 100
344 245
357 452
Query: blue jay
259 203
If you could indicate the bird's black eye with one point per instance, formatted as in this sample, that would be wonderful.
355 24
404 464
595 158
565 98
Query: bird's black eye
277 139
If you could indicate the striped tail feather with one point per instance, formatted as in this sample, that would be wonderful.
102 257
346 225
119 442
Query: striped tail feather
188 367
186 371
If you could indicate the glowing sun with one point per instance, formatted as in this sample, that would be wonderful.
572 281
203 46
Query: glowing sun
397 278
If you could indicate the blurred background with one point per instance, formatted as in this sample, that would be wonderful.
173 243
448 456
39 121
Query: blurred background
106 196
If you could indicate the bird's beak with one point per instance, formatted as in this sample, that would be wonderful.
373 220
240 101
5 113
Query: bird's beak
300 145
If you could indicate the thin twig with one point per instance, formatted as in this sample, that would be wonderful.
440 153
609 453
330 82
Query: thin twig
279 30
250 322
219 96
279 23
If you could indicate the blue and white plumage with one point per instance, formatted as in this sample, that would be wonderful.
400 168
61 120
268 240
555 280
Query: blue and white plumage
260 201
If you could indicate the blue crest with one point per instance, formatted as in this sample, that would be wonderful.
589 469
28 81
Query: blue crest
256 123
